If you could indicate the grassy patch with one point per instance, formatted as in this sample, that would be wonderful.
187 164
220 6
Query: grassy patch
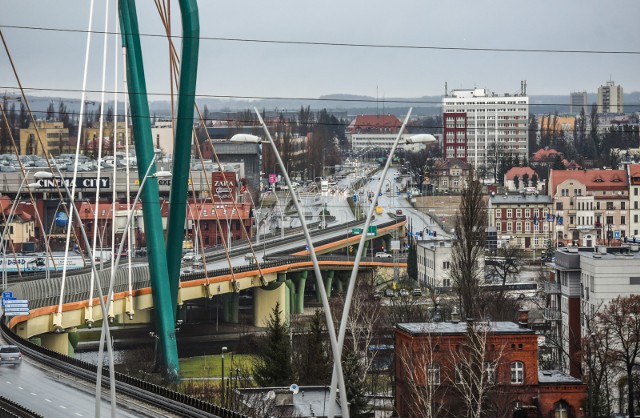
211 366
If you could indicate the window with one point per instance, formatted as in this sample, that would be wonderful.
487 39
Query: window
622 206
509 212
490 370
560 410
445 265
498 213
518 213
609 205
517 373
433 374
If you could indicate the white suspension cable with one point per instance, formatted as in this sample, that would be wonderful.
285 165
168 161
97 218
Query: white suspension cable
57 320
100 138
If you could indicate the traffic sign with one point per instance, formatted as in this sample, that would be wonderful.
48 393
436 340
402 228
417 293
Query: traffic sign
373 230
616 234
7 295
15 307
356 231
355 197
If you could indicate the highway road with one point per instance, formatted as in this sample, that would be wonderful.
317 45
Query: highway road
50 393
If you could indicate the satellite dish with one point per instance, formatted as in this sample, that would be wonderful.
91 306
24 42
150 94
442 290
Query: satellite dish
271 395
294 388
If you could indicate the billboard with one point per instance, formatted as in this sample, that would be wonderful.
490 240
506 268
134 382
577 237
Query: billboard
81 182
224 186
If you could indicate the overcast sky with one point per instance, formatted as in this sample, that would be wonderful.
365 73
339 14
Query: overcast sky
55 60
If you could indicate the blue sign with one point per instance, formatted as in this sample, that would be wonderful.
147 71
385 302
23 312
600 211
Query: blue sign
61 219
355 197
380 194
616 234
306 247
7 295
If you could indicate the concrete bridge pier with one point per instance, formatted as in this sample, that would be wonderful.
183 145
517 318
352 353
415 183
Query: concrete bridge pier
265 298
230 307
387 242
300 280
58 342
328 282
342 281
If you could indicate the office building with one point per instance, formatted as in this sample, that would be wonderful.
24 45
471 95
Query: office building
610 98
578 102
481 127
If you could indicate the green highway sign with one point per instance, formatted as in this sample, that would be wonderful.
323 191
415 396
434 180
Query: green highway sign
373 230
356 231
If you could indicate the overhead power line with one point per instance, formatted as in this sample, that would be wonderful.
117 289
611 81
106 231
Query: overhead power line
343 44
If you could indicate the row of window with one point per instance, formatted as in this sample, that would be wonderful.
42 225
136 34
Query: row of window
516 368
527 213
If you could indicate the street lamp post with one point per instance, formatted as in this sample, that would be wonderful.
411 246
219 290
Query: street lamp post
224 350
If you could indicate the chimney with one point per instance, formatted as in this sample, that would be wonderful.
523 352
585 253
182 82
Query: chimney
523 318
455 315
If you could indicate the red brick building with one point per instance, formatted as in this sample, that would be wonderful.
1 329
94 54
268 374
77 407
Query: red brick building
437 363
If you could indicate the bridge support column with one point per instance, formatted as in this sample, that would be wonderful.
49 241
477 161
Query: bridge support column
289 299
300 281
230 303
265 298
56 342
387 243
328 281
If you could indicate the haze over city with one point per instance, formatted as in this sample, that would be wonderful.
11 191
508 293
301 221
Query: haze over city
406 49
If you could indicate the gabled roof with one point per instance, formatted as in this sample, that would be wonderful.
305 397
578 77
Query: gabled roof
545 154
374 122
519 171
595 180
450 163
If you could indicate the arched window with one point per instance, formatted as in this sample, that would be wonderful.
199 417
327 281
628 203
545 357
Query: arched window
517 373
561 410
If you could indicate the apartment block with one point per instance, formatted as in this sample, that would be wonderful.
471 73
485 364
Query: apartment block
481 127
590 206
610 98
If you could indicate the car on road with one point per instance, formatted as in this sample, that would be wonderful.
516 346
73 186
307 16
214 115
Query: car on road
417 292
383 255
389 293
404 293
10 354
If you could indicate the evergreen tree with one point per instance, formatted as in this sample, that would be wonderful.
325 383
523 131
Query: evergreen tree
412 261
273 366
355 384
50 112
525 180
313 360
532 133
516 182
516 161
534 181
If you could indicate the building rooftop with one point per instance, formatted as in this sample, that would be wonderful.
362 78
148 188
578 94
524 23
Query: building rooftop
450 328
521 198
555 377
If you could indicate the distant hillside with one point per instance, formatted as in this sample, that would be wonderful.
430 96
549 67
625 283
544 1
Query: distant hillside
352 104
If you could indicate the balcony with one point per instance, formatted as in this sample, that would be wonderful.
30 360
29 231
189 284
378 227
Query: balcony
552 314
551 288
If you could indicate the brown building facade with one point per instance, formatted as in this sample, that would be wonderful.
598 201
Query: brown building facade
437 365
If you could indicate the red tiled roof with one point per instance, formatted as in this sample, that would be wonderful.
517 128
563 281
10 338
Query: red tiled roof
592 179
374 122
519 171
545 154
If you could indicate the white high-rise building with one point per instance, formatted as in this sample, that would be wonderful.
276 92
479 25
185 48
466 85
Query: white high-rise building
481 127
610 98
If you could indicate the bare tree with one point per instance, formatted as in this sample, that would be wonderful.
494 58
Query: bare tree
598 372
423 395
475 371
621 319
468 247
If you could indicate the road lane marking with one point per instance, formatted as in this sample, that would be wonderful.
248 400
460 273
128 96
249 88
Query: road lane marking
78 414
20 387
63 407
34 394
48 400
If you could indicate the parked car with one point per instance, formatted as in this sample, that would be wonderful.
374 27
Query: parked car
389 293
190 256
10 354
404 293
417 292
141 252
383 255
